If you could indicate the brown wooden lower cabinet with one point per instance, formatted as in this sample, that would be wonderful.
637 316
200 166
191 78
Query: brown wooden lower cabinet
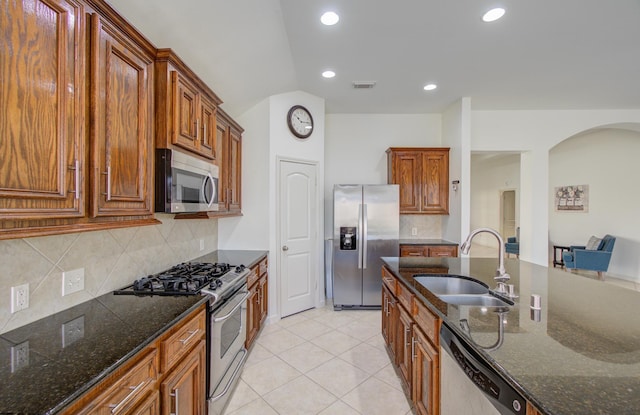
426 375
161 379
410 332
258 300
183 389
429 250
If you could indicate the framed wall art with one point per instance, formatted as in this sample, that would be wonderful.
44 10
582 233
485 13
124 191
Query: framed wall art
572 198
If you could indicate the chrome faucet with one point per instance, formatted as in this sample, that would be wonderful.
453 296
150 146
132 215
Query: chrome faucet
501 274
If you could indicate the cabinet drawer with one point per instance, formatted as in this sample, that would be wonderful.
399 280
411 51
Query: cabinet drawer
174 347
263 267
389 281
428 322
253 276
443 251
414 250
404 296
129 390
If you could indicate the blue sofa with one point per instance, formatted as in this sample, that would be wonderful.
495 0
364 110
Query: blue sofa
512 246
578 257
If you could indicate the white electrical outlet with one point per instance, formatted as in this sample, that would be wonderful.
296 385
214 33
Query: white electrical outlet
72 281
19 356
72 331
202 244
19 297
414 231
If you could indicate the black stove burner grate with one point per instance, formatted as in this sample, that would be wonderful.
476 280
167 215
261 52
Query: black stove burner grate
187 278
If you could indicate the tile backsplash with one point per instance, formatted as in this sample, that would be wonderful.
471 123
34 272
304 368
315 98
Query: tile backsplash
428 226
111 259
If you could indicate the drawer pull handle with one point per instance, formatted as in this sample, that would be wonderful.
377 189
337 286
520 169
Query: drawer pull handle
134 390
191 334
413 349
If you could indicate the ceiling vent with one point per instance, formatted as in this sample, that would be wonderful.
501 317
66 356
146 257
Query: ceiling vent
364 84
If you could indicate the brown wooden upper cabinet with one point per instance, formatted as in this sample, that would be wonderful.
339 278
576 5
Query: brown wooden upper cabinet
186 108
121 131
229 148
42 101
76 108
423 176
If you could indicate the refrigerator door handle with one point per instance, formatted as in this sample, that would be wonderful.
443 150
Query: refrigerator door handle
365 236
359 236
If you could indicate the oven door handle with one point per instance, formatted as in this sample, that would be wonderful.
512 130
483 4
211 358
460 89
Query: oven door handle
223 318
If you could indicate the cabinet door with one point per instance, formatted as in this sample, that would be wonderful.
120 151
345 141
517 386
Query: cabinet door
253 309
222 132
406 173
403 352
150 406
235 166
208 135
185 112
263 299
122 112
426 375
389 320
183 390
435 182
42 109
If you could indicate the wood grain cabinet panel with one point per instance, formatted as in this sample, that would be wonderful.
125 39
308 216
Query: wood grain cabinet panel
122 113
258 300
42 101
183 390
229 150
426 375
423 177
429 250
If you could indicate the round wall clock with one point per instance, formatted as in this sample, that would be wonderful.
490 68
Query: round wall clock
300 121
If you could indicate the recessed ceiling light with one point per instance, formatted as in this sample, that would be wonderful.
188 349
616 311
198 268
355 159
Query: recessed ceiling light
493 15
430 87
329 18
328 74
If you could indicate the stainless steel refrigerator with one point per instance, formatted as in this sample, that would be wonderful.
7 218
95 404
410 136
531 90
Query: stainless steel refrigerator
365 228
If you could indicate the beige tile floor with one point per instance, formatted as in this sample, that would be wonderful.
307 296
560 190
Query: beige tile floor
320 362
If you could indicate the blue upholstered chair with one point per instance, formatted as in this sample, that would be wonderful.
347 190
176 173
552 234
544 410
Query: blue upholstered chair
595 259
512 246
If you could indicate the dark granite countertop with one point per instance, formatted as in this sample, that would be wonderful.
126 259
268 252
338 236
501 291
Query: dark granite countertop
58 368
579 355
426 242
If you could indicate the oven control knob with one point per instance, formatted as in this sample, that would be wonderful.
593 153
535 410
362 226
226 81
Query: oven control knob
239 268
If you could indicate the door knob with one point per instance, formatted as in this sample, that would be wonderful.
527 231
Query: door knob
285 248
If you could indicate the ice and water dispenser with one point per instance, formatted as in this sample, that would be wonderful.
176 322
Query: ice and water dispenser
347 238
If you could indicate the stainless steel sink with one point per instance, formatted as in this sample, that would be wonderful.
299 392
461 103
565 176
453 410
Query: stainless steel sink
481 300
451 284
460 290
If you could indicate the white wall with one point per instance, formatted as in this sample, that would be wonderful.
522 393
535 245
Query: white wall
534 133
355 148
606 160
492 173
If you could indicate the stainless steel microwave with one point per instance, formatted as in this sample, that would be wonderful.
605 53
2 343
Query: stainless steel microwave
185 183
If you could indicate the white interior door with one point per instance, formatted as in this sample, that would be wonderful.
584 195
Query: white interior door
298 223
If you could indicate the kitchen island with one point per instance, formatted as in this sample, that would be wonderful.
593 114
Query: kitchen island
580 354
50 363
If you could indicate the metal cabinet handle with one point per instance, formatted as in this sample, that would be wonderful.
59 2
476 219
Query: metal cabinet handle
413 349
407 330
108 174
134 389
191 334
175 395
76 168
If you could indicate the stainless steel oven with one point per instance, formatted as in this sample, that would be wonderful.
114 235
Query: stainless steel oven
227 352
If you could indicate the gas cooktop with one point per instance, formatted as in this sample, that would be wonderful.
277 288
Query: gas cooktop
188 278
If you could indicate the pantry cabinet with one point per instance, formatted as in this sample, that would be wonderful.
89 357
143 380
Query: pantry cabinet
121 128
186 108
423 177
